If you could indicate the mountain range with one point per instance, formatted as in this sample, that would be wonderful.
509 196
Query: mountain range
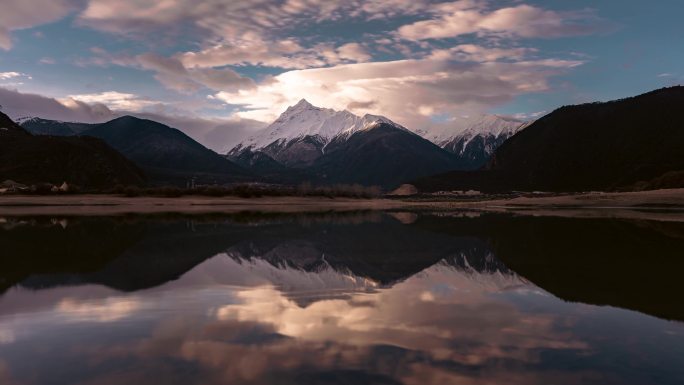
477 139
84 161
340 147
166 154
305 144
633 143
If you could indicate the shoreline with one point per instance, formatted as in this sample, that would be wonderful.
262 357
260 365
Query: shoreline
655 204
27 205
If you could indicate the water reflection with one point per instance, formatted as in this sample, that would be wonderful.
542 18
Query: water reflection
362 299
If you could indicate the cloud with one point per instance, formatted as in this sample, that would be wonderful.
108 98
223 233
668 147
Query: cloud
18 15
217 134
255 33
10 75
472 52
440 84
253 49
173 74
112 99
17 105
471 17
216 18
353 52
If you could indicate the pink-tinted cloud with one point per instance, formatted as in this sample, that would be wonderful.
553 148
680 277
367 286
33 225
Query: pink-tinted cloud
216 134
16 15
451 82
470 17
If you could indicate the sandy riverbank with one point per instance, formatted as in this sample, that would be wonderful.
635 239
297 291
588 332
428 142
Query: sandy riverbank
113 204
655 205
659 204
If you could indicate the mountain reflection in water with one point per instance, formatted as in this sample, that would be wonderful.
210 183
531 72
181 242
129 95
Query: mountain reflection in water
365 298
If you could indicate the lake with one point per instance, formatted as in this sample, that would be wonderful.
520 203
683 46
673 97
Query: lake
357 298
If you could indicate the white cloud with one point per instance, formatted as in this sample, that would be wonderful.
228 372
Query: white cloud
469 17
11 75
173 74
407 91
252 49
354 52
253 32
17 105
112 99
217 134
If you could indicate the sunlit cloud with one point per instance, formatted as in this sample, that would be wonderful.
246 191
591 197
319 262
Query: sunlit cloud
10 75
112 99
214 133
526 21
452 82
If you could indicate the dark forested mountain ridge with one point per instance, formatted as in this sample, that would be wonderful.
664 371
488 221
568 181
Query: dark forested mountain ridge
87 162
624 144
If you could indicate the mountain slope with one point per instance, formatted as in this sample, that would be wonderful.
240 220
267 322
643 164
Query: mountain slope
38 126
268 168
310 138
87 162
598 146
330 147
304 119
299 136
167 154
475 143
381 155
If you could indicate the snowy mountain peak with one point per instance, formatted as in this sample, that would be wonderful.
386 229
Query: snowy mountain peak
302 104
494 125
303 132
482 125
25 119
304 119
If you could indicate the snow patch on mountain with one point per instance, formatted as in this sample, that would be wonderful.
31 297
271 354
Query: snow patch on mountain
304 119
482 125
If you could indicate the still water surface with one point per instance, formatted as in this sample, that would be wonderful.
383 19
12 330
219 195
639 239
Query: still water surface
364 298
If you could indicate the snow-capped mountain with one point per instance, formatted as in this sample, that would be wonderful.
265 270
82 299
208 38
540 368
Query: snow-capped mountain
476 139
304 119
38 126
299 136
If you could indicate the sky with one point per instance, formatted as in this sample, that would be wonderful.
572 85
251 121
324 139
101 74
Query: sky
222 69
